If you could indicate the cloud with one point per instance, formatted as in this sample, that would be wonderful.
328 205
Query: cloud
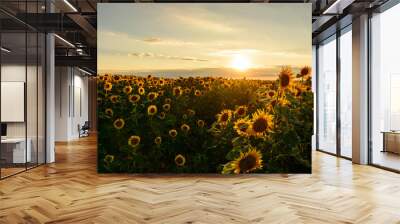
152 39
201 18
203 23
124 37
162 56
230 52
249 51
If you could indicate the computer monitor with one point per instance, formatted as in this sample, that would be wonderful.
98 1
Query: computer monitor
3 129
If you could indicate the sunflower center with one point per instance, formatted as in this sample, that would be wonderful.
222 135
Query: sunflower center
118 123
243 127
271 94
247 163
224 117
305 71
285 79
260 125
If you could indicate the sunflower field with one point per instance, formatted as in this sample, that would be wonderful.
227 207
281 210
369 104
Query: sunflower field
205 124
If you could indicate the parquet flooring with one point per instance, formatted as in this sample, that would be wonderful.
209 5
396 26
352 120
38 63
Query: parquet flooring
70 191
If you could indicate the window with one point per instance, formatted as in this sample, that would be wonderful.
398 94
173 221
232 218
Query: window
327 96
346 92
385 89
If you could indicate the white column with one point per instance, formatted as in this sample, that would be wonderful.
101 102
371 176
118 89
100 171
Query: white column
50 100
360 90
50 92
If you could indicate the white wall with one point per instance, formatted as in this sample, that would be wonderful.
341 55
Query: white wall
71 102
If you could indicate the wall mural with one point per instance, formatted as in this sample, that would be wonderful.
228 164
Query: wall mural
204 88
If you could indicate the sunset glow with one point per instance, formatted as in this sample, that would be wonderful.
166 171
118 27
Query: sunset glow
197 39
240 62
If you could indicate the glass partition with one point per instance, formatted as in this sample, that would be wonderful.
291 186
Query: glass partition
13 94
22 87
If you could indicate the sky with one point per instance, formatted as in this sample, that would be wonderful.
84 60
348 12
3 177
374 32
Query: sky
252 40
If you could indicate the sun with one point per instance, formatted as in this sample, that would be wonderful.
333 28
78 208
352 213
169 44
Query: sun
240 62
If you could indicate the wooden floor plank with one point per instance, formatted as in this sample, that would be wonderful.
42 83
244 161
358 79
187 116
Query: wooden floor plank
71 191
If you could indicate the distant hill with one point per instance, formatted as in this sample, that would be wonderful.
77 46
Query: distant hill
256 73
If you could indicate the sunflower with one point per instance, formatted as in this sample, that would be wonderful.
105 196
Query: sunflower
242 127
119 123
224 117
177 91
173 133
158 140
197 92
200 123
305 71
246 162
107 86
152 110
185 128
108 159
152 96
134 98
134 140
285 77
114 98
241 111
271 94
180 160
117 78
187 90
162 115
260 123
127 89
141 91
167 100
191 112
166 107
109 112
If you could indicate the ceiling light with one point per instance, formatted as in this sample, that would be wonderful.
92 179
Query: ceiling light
5 50
338 6
70 5
64 40
84 71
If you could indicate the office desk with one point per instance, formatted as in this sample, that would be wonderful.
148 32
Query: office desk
15 148
391 141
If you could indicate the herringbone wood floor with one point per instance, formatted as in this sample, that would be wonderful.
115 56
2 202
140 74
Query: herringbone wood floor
70 191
